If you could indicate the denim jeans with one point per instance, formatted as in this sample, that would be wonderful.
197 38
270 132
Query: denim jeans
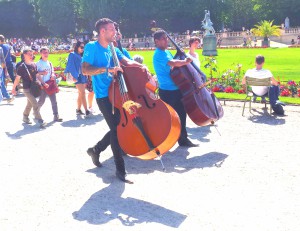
10 70
110 138
1 97
273 94
3 88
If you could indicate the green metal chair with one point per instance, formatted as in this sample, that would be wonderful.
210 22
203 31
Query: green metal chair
250 81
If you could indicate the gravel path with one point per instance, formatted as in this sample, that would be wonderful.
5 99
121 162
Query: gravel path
246 179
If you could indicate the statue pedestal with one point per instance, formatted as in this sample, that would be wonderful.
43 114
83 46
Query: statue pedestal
209 45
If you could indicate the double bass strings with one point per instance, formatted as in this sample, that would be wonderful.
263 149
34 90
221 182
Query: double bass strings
120 78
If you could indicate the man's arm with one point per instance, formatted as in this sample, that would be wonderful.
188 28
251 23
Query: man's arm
88 69
244 80
179 63
274 82
16 82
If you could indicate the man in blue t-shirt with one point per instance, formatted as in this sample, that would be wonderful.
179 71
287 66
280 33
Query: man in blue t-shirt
98 62
163 62
8 60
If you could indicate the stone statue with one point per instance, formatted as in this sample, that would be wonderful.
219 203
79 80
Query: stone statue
209 38
207 24
287 23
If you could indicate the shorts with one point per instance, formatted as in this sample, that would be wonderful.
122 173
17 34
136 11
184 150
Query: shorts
82 79
89 84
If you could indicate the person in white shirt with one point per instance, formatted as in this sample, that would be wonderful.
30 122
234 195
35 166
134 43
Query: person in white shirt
45 65
263 91
194 43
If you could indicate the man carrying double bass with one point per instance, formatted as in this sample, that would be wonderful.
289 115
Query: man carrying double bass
98 62
163 62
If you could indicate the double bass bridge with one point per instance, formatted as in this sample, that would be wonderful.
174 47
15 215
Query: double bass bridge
131 106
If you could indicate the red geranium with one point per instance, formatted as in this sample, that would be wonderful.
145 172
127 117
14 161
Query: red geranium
229 89
216 89
241 91
285 92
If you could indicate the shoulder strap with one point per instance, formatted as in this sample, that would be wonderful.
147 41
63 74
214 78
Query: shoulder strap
50 69
28 72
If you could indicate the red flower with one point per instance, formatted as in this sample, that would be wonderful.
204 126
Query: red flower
285 92
229 89
241 91
216 89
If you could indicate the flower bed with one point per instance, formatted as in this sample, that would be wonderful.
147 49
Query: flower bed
230 80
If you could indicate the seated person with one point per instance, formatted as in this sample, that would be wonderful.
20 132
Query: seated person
138 58
262 91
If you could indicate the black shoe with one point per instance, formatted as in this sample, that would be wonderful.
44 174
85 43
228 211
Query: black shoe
95 157
123 177
88 114
187 143
57 119
79 112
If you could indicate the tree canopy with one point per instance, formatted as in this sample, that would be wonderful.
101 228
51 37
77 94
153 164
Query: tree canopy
62 17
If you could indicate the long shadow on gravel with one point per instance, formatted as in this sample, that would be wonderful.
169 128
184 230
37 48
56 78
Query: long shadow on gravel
81 121
108 204
177 161
27 130
263 117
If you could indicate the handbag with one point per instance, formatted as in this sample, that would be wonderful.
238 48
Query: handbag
35 87
52 86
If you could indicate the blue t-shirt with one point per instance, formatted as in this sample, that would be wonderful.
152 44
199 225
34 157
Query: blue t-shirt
98 56
6 52
162 69
126 53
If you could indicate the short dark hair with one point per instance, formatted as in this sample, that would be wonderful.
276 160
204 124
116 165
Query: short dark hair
193 39
77 45
259 59
2 38
158 34
101 23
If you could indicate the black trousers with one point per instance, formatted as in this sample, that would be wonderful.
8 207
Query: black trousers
110 138
173 98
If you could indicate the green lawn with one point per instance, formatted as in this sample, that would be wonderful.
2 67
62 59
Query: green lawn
283 63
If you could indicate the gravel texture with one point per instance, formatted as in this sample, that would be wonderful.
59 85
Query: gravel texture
246 179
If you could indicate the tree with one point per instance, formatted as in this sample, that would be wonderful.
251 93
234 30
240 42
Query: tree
266 29
58 16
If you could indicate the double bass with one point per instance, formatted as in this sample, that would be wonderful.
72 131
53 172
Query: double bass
199 102
148 127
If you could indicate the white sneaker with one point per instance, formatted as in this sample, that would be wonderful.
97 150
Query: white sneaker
91 110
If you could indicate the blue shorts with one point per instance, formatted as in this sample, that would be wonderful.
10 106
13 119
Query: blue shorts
82 79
